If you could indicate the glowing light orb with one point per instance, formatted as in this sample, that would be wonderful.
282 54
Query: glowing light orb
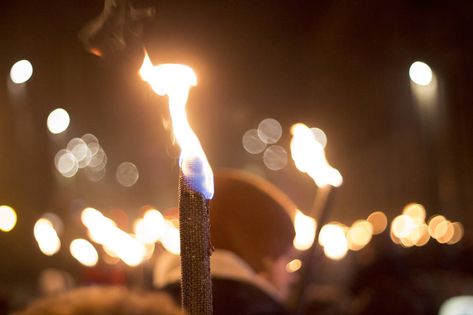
21 71
84 252
269 131
420 73
58 121
8 218
252 143
305 227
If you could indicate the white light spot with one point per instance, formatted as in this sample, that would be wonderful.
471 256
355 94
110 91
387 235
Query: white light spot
21 71
275 157
269 131
66 163
58 121
320 136
420 73
252 143
127 174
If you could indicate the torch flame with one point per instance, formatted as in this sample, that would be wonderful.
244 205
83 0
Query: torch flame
175 80
309 156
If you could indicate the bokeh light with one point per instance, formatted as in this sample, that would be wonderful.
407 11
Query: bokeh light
275 157
58 121
334 241
420 73
359 234
66 163
8 218
46 237
81 151
171 239
458 232
21 71
416 212
269 131
320 136
252 143
151 227
127 174
84 252
402 226
305 227
433 222
379 221
293 265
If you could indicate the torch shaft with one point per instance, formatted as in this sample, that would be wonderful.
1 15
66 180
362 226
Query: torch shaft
194 226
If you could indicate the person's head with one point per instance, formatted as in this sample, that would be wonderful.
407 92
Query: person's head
104 301
252 218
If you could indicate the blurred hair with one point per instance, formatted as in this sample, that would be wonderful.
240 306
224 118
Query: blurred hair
104 301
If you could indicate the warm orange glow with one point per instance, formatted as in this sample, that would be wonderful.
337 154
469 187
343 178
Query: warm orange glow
433 222
8 218
305 227
402 226
151 227
46 237
171 239
443 232
309 156
359 234
379 221
332 237
416 212
457 233
293 265
175 81
84 252
104 231
421 235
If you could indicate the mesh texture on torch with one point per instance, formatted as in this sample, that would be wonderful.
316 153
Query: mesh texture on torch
194 221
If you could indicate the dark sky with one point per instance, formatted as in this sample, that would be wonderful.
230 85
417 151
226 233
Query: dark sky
339 65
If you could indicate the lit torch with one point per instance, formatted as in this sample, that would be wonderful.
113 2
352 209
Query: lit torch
309 157
195 185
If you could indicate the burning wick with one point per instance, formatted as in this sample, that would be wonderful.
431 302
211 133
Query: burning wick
195 185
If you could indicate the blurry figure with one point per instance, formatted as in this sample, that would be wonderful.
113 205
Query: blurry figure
252 233
104 301
118 23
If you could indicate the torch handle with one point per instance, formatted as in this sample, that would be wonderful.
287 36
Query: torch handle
194 226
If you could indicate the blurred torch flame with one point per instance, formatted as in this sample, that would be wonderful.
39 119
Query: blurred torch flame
309 156
175 80
305 227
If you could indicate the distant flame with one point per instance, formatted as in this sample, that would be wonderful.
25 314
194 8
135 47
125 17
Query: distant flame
305 227
175 80
309 156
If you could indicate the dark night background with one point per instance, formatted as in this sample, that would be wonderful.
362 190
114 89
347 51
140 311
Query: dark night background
341 66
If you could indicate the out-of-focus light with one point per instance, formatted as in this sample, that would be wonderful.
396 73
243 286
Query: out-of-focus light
46 237
444 232
457 233
66 163
171 239
305 227
420 73
8 218
151 227
309 157
53 281
320 136
275 157
21 71
458 305
81 151
379 221
416 212
294 265
269 131
332 237
252 143
433 222
84 252
421 235
360 234
127 174
55 220
58 121
402 226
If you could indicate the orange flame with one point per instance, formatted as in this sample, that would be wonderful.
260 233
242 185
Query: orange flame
175 80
